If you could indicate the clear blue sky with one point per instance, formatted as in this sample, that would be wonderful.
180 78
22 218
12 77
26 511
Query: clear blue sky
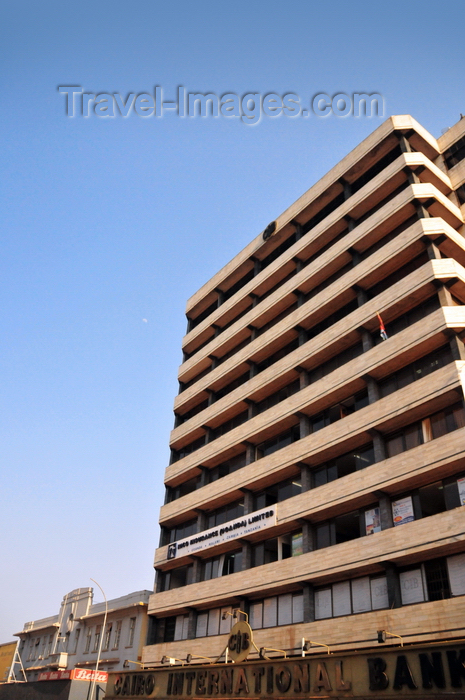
107 222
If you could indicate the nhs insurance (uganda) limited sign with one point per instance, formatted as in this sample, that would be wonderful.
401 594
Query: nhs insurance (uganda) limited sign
259 520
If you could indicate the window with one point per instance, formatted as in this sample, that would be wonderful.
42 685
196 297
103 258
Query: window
286 609
412 586
351 597
181 627
446 421
184 530
437 579
277 548
277 443
98 632
34 649
211 623
344 465
222 565
416 370
177 578
408 319
76 639
173 493
455 153
117 636
106 641
335 362
88 638
406 439
31 650
427 500
231 465
48 650
278 492
225 514
132 629
230 424
343 528
278 396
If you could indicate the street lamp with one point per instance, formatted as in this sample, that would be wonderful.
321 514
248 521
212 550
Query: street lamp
102 633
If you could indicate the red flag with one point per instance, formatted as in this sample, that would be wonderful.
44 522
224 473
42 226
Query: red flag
382 330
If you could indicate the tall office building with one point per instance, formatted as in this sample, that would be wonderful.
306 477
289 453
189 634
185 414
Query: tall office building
317 473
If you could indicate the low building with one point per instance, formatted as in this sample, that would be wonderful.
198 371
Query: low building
72 638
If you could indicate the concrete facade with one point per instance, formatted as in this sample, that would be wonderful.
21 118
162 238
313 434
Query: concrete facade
70 639
344 450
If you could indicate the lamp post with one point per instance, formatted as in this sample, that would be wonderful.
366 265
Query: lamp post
102 633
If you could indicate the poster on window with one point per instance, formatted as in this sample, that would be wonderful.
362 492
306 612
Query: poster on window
297 544
461 487
456 568
372 521
402 511
411 587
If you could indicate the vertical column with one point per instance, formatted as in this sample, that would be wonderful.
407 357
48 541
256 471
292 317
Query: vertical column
253 368
220 297
379 446
249 452
367 338
305 427
385 509
196 569
248 501
372 388
252 410
201 520
300 297
356 257
421 209
253 332
204 475
308 602
192 623
362 296
257 267
393 585
457 348
299 232
164 536
412 176
255 299
304 377
209 433
303 334
306 476
246 555
151 630
158 587
404 143
308 536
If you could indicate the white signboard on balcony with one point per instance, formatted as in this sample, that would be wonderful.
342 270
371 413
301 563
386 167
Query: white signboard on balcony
232 530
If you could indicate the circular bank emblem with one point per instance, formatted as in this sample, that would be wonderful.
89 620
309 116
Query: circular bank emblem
240 641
